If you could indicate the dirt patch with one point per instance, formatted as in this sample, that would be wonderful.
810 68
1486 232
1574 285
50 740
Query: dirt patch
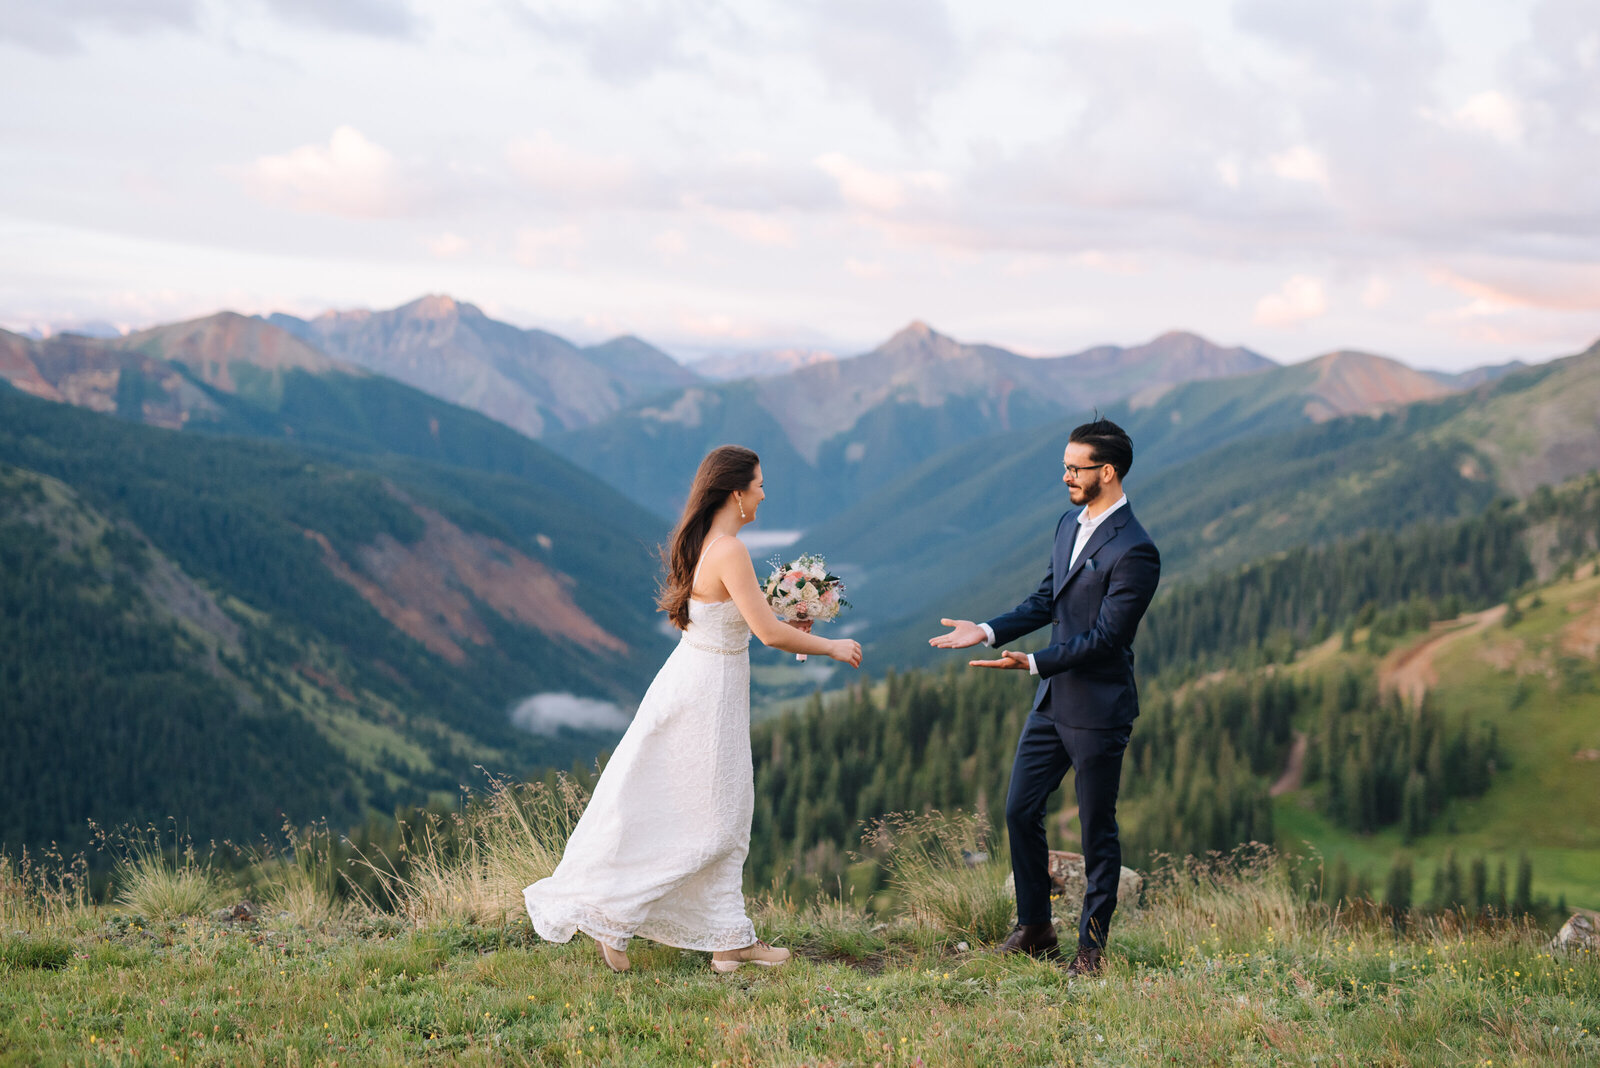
1581 637
1410 671
326 682
427 589
1503 656
1294 771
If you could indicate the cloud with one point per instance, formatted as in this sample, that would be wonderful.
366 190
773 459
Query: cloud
1357 43
550 713
670 243
447 246
896 54
59 26
756 227
625 42
877 191
1494 113
864 268
565 174
350 176
1499 285
1300 164
541 246
1376 293
1300 300
377 18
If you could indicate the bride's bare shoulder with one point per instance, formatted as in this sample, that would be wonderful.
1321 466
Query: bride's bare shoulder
726 547
728 552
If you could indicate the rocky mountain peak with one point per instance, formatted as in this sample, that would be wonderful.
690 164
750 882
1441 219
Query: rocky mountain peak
439 306
920 342
1348 381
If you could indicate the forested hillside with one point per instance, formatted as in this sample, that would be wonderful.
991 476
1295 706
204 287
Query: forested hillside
200 625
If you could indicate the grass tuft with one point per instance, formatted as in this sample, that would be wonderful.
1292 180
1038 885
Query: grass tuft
940 869
161 882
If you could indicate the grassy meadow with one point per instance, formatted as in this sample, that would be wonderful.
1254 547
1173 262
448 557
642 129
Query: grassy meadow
1222 964
1532 674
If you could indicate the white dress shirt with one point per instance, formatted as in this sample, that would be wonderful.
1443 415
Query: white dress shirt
1086 528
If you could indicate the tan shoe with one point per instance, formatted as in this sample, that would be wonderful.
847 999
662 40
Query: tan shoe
615 959
756 953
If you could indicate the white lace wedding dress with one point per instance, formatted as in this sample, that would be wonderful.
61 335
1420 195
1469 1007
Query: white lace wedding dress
659 853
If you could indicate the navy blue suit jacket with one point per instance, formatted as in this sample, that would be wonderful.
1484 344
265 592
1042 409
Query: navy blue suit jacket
1093 608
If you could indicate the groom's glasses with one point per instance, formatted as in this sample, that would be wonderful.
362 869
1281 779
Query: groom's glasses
1074 469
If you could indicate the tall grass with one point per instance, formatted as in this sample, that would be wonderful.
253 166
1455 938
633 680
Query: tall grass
472 866
50 891
303 884
165 882
939 869
1248 890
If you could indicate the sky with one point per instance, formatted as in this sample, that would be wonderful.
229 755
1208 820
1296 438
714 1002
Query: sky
1416 179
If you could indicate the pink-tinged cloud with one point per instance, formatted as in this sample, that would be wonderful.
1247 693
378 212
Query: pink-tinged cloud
1300 299
877 191
1572 287
350 176
448 246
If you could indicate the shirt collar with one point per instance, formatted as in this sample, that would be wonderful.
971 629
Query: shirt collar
1085 521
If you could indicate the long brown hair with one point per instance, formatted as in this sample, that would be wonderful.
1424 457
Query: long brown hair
726 470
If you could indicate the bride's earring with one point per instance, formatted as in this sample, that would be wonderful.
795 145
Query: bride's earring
741 507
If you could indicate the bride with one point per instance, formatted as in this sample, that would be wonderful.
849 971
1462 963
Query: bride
659 852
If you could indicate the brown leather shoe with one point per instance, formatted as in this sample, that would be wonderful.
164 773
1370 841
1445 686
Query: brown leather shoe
1089 961
1034 939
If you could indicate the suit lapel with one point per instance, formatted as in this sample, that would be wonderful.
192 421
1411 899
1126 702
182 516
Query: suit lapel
1102 534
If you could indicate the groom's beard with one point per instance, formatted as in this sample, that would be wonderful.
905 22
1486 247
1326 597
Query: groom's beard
1085 495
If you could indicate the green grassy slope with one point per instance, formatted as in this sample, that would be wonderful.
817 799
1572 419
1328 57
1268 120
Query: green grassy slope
1537 681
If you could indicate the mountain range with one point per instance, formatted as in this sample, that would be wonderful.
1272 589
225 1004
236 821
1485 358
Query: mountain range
532 381
833 432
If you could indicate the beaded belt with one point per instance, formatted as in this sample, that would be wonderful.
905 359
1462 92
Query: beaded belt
711 648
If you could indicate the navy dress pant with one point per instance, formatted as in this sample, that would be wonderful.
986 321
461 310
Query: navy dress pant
1044 754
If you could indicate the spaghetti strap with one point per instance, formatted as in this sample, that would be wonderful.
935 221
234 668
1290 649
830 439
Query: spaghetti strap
695 578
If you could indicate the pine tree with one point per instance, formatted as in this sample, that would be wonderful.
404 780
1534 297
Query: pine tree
1397 890
1480 883
1522 902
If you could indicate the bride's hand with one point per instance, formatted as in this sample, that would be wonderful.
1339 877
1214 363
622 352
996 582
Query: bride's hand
846 651
801 625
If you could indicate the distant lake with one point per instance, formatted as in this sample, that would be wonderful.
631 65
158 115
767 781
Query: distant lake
761 540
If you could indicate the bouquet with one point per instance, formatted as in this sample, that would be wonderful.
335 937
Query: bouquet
804 589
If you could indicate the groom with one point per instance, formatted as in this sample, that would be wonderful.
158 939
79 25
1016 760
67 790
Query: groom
1103 571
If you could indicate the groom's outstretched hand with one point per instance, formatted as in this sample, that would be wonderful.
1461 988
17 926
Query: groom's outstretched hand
1010 660
963 633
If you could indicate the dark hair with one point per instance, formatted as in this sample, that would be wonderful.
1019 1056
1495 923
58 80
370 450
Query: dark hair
726 470
1108 444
